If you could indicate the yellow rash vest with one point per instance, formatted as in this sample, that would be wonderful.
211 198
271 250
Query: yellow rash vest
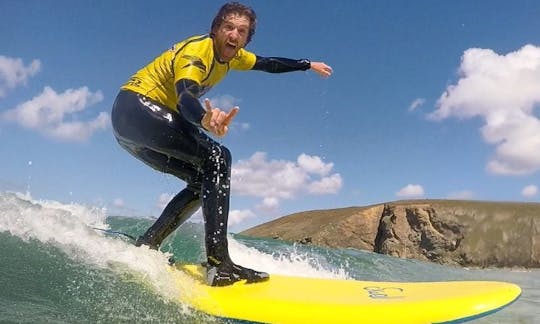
191 59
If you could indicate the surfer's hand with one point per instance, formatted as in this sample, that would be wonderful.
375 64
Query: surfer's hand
216 120
322 69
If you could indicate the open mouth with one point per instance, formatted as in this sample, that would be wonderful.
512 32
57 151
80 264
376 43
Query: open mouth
228 50
231 45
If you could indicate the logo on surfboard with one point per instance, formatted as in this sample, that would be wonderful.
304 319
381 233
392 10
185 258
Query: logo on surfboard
375 292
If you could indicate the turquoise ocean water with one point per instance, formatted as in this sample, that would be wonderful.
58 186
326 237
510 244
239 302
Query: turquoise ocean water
55 268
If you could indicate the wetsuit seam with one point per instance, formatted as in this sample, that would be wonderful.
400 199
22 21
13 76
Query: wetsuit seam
175 55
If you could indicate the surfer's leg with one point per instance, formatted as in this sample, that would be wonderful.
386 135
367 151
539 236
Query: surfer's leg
215 206
177 211
181 207
157 136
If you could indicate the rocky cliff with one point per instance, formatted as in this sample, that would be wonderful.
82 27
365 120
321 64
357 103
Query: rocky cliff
466 233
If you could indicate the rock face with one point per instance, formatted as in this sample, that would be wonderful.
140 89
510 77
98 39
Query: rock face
466 233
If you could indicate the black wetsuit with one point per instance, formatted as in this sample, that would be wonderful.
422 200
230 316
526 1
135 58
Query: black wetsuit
173 141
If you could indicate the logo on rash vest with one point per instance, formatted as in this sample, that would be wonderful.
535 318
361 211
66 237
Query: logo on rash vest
375 292
194 61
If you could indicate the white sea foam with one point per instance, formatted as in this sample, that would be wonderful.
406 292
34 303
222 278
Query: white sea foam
290 262
70 228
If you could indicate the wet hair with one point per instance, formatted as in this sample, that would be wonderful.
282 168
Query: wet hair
235 8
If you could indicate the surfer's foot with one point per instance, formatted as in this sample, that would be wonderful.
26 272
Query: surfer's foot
226 273
142 241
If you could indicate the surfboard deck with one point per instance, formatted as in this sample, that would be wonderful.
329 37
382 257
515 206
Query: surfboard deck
287 299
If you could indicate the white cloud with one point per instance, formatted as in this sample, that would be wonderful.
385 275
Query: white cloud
504 91
163 200
314 164
243 126
276 180
530 191
269 204
119 203
239 216
13 72
54 114
224 102
236 126
416 104
327 185
411 191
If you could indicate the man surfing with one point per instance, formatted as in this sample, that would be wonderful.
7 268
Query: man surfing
158 118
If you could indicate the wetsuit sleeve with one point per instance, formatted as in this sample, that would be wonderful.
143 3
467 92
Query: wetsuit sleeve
280 64
188 104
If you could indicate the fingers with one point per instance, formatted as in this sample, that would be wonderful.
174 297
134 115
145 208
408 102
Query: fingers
216 120
208 104
327 70
231 115
322 69
224 120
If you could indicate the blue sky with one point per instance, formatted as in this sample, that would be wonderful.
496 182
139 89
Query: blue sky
429 99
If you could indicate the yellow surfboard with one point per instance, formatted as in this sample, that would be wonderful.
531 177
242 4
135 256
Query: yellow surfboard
285 299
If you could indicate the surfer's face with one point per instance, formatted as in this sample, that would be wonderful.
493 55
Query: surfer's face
231 36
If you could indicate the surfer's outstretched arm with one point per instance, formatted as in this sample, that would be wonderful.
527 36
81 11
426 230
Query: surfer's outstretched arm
281 64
